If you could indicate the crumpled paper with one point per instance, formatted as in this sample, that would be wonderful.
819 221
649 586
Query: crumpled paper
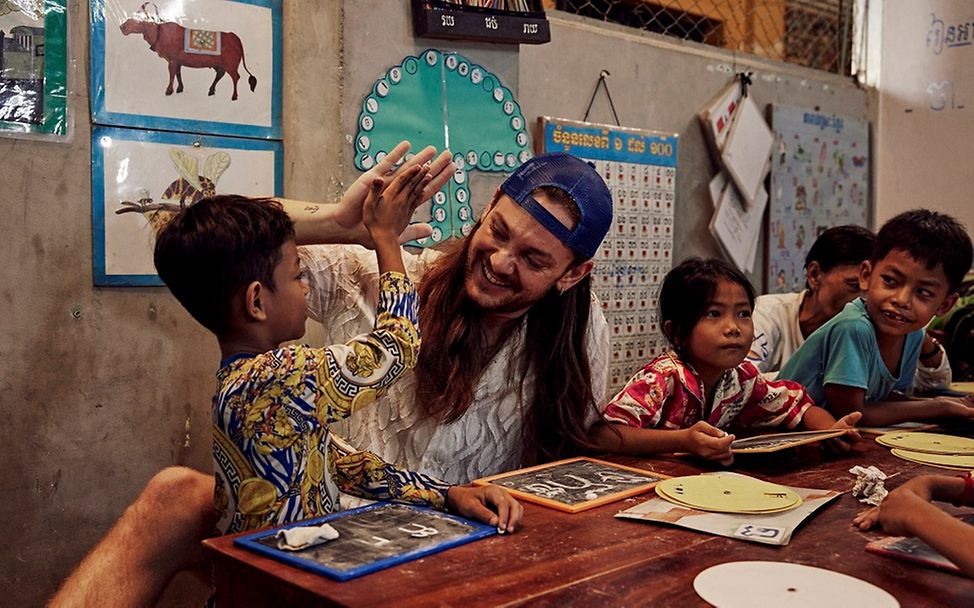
295 539
869 488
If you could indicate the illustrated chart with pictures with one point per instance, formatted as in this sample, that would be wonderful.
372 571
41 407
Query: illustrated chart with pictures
819 179
639 167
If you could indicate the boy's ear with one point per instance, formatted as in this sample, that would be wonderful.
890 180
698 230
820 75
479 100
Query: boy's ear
813 274
253 307
947 304
865 272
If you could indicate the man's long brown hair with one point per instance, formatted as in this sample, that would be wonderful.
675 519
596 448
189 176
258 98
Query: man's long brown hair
456 352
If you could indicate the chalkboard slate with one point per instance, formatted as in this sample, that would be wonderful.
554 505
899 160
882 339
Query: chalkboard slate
575 484
764 444
913 549
371 538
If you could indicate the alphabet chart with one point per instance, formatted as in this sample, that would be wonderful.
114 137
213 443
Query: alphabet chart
639 166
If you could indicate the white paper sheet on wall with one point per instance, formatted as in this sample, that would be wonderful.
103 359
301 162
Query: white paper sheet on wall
718 115
747 153
736 229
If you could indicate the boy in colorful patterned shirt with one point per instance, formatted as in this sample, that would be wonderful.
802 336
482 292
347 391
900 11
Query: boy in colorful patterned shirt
233 263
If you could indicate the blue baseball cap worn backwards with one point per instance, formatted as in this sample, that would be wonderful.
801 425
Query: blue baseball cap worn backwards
581 182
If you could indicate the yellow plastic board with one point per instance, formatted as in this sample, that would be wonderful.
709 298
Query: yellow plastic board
728 494
931 443
958 462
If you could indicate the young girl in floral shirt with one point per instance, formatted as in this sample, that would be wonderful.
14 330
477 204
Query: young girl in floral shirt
691 398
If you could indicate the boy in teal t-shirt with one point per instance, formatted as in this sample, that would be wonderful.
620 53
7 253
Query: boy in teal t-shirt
864 357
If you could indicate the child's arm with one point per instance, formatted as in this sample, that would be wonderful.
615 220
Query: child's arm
341 222
364 474
843 400
387 211
907 511
819 419
631 418
702 439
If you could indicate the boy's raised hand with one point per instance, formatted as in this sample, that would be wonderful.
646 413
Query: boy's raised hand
351 206
707 441
490 504
387 209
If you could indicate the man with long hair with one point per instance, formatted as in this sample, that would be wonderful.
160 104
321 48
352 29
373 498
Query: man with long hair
515 355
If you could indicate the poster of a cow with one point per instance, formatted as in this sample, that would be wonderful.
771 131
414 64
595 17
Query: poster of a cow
141 179
202 66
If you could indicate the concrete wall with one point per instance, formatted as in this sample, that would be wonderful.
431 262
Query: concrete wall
100 388
661 83
926 100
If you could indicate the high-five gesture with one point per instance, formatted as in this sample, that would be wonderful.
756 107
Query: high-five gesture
342 222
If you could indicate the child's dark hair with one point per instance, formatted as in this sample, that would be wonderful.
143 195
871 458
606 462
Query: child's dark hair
689 289
841 246
930 238
216 247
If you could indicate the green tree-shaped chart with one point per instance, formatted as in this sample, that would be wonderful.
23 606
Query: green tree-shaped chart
444 100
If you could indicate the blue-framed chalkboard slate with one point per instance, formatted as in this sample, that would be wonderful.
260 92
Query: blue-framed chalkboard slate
371 538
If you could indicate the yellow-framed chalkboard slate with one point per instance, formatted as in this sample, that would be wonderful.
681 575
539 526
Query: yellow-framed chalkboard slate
371 538
575 484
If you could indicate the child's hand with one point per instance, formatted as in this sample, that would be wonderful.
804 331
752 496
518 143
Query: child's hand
919 490
897 513
707 441
473 501
867 519
844 443
957 407
350 211
387 211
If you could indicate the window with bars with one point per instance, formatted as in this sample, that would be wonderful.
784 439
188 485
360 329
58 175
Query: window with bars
811 33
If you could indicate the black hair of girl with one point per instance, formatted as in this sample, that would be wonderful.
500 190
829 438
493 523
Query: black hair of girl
687 292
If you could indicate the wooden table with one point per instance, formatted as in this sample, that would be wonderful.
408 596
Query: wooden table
592 558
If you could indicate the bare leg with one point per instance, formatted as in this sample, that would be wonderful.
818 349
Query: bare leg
157 536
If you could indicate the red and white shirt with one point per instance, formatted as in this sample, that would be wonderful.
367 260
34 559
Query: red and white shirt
667 394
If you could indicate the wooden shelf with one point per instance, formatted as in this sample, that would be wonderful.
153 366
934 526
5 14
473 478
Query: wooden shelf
440 19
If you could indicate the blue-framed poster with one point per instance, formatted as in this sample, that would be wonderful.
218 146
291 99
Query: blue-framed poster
140 179
33 67
371 538
639 166
200 66
819 179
